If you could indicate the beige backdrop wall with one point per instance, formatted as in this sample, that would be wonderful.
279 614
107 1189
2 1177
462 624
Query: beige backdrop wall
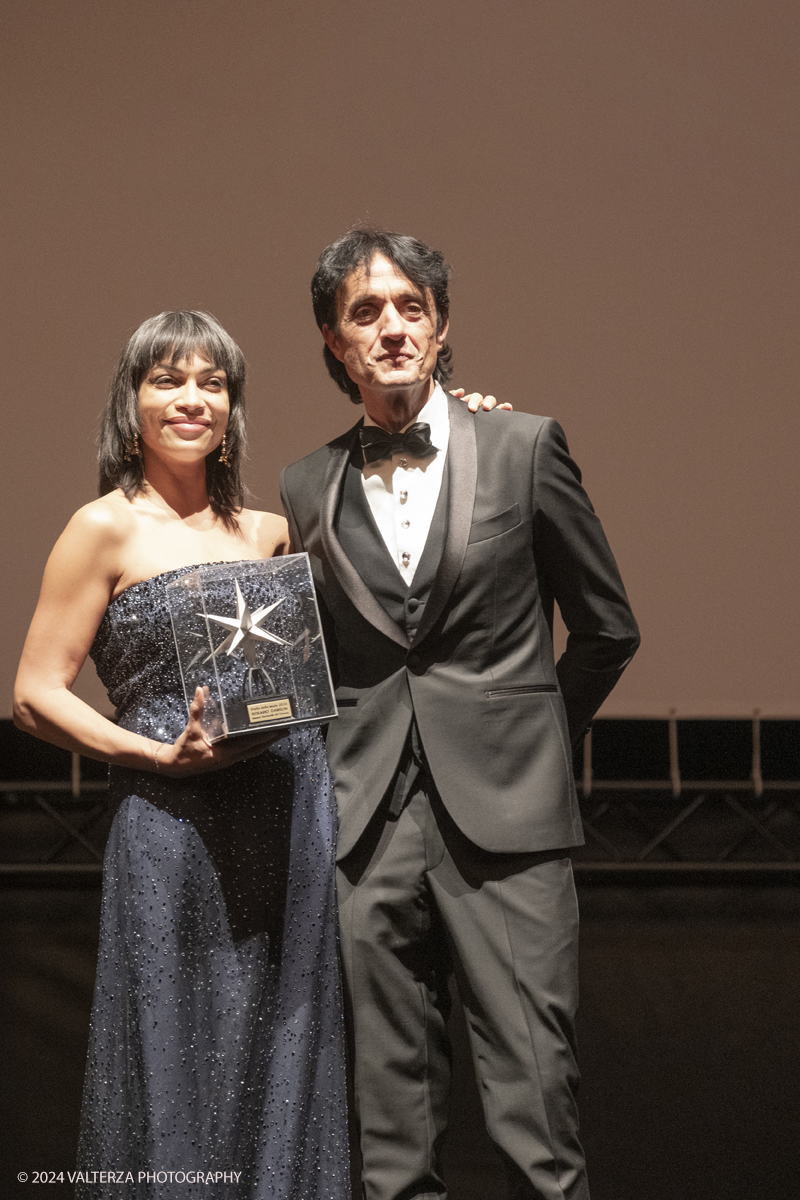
615 184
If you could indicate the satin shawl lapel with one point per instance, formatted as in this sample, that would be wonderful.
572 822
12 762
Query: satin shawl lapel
344 570
462 458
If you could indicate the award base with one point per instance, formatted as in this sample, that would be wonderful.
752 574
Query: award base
258 711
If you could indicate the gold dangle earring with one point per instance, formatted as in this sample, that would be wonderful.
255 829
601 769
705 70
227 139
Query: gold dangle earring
132 448
223 451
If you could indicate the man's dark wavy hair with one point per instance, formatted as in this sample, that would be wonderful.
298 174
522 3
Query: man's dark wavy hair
172 336
424 267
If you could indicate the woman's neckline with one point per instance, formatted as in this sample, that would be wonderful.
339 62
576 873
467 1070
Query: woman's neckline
221 562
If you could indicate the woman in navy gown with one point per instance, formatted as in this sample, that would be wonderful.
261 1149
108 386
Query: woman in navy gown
216 1052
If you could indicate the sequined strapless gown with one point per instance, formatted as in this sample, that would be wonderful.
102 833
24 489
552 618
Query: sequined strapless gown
217 1038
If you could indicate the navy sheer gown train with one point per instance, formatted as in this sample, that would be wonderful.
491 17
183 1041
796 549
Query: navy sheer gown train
217 1036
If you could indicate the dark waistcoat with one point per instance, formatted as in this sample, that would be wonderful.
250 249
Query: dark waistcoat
363 544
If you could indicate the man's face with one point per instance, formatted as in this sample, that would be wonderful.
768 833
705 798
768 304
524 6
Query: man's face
387 336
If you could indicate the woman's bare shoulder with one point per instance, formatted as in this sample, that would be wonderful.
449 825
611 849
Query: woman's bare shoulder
108 520
268 530
94 538
87 556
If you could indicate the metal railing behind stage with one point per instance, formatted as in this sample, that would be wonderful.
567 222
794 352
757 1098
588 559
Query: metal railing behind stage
54 813
709 799
660 798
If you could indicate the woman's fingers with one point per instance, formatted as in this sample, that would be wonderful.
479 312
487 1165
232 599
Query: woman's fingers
196 710
238 749
475 400
233 750
193 753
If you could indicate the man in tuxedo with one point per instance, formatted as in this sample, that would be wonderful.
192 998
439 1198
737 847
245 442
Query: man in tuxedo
439 542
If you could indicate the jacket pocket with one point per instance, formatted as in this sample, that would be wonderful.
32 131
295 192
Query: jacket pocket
491 526
347 703
530 689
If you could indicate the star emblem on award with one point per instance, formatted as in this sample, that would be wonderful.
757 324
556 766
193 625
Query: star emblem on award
247 636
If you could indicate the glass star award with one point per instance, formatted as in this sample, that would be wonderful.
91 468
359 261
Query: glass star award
249 634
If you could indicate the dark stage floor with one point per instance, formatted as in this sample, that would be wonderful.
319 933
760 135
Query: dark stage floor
689 1039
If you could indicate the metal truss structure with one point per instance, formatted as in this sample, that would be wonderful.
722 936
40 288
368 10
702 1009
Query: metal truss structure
692 829
54 830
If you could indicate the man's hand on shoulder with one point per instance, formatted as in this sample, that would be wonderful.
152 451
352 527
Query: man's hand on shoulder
475 400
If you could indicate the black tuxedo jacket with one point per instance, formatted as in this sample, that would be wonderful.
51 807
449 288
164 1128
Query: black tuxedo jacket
471 655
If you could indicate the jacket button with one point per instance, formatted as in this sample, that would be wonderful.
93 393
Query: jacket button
413 604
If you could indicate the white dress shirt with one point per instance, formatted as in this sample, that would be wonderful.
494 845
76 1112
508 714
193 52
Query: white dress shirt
402 490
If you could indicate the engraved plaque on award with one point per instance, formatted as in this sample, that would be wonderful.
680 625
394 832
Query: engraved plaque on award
249 634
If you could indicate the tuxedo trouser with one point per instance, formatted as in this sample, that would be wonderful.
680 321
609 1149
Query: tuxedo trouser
417 901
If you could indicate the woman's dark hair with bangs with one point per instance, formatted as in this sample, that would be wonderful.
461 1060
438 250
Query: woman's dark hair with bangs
424 267
172 336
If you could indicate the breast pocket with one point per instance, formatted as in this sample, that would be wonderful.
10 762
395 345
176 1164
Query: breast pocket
491 526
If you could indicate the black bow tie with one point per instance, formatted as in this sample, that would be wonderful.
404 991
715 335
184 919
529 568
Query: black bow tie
378 444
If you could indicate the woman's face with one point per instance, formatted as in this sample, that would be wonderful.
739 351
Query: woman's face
183 408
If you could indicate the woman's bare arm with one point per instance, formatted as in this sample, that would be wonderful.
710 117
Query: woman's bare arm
79 579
